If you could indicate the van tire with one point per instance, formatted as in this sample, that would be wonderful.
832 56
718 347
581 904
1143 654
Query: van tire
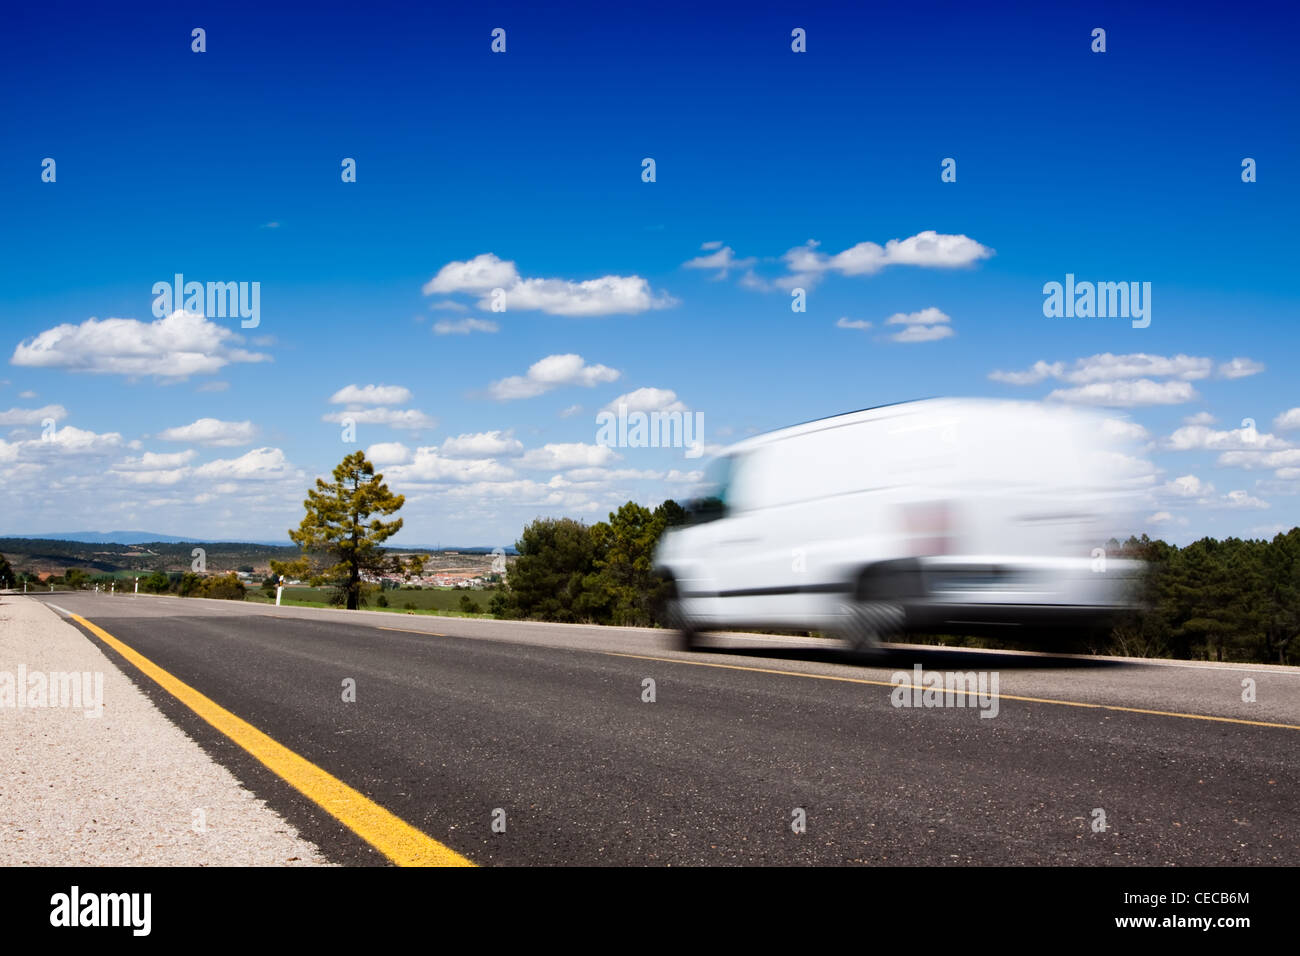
673 618
687 637
870 623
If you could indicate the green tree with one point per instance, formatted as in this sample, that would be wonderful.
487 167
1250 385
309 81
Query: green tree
339 532
1280 598
226 586
157 583
555 555
569 571
7 577
623 589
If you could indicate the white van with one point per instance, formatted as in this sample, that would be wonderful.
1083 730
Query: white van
946 515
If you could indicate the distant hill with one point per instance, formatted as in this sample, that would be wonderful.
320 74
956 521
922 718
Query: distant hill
131 537
151 552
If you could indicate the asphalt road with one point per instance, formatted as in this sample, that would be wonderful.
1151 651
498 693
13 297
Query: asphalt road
456 719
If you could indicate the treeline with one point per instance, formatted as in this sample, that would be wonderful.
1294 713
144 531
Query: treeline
601 573
182 584
167 555
1229 600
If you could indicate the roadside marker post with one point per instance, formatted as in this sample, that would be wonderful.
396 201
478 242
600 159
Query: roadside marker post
279 589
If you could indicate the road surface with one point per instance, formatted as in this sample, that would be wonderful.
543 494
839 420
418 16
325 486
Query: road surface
463 728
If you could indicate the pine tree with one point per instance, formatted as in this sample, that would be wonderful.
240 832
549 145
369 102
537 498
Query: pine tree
338 529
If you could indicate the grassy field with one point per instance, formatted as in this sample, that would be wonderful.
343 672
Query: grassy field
428 601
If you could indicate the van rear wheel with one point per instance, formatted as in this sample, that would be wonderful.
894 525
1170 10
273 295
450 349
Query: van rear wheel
673 617
870 623
687 637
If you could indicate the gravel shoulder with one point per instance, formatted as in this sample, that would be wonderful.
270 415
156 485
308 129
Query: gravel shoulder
125 787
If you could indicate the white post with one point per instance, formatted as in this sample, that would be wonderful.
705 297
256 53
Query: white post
137 585
279 589
112 588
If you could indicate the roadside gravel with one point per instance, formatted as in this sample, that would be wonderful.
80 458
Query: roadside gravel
124 788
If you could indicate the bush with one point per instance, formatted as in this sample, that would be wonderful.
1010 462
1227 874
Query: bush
156 583
381 601
225 586
469 605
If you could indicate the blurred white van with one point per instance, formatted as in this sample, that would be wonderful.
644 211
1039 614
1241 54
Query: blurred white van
947 515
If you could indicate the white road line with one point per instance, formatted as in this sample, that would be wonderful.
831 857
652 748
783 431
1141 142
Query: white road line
57 608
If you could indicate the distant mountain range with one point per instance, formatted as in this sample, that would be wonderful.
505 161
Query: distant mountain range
145 537
129 537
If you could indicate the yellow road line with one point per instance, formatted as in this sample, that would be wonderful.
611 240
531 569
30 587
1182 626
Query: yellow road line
408 630
1031 700
387 833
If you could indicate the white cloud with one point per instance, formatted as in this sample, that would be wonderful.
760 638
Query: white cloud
1242 499
388 453
684 477
33 416
1202 437
723 259
481 274
563 456
1107 367
169 349
1125 430
153 461
1187 486
1200 418
648 400
528 492
429 466
392 417
1127 394
464 326
551 372
371 395
844 322
27 394
1253 459
1160 517
1240 368
1288 420
607 295
597 474
260 464
930 316
66 440
448 305
928 249
1038 372
570 411
481 445
211 431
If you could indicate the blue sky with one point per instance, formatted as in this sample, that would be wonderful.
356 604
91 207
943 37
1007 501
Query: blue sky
474 167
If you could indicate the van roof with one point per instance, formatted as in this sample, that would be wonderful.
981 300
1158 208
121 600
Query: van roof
873 413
